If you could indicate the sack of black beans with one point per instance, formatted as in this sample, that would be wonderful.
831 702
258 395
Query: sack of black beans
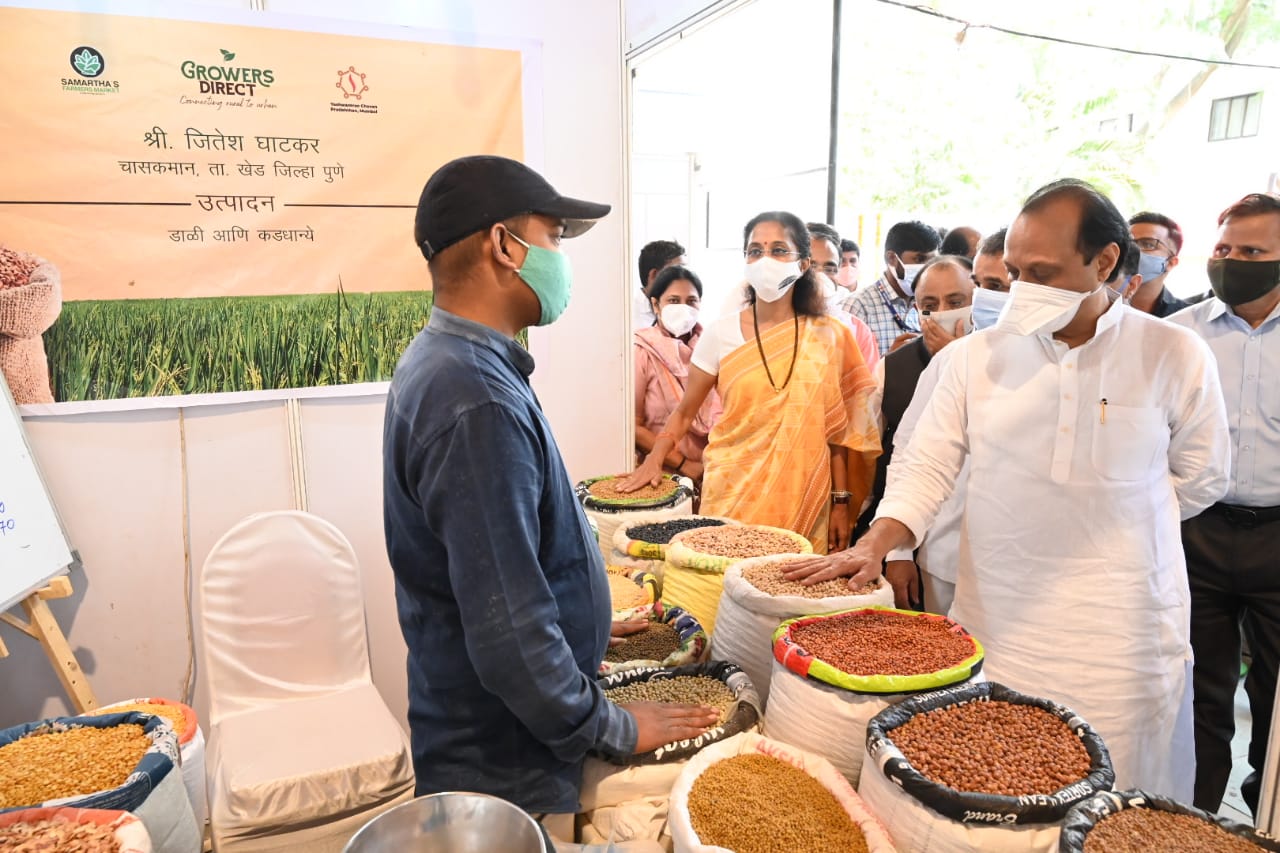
756 599
833 672
673 638
1136 822
645 536
607 509
980 768
122 762
750 794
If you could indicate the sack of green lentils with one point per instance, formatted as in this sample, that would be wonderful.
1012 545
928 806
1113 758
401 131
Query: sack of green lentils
120 762
1137 822
756 599
833 672
607 508
697 560
980 769
673 638
750 794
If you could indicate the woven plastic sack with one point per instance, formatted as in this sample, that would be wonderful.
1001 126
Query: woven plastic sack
623 542
648 584
693 648
1086 814
686 839
607 515
743 716
694 580
129 832
192 748
616 559
747 619
154 791
924 815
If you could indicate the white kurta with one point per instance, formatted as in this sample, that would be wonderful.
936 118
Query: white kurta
1071 569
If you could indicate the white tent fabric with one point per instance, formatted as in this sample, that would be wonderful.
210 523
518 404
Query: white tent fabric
302 750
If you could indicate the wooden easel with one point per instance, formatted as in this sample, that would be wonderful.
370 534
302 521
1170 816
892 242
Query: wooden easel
43 627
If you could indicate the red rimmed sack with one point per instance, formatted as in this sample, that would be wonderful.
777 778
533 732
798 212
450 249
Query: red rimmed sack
125 828
925 815
1087 814
818 707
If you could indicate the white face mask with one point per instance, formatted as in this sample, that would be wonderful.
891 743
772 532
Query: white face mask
1038 308
907 279
678 319
847 277
772 279
948 319
987 305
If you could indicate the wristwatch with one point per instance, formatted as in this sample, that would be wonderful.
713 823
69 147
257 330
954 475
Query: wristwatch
839 498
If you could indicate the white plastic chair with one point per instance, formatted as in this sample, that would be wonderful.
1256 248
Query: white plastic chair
302 750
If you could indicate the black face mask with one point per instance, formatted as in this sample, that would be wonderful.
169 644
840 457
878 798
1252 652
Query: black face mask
1236 282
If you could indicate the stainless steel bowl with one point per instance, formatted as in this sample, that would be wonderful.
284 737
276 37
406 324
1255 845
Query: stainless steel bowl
451 823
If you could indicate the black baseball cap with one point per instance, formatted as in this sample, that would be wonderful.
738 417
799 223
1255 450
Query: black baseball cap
472 193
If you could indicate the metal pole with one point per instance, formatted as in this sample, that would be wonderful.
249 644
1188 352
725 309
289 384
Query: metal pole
836 9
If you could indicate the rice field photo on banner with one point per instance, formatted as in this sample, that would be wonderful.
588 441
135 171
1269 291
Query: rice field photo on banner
227 204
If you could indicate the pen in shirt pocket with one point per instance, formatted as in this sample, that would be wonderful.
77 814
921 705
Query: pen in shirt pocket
1102 410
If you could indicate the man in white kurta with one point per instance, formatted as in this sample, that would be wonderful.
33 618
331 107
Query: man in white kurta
1090 430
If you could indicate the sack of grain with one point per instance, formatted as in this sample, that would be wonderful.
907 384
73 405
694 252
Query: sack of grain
756 599
980 769
607 508
670 628
645 536
626 798
633 595
745 794
190 744
832 673
697 559
68 829
1136 822
119 762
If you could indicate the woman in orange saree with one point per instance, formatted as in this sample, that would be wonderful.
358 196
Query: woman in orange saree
797 442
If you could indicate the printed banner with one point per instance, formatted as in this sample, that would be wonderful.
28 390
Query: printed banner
227 207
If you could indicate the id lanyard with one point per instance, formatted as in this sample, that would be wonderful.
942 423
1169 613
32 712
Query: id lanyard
896 319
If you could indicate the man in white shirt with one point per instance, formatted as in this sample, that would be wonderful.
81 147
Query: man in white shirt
1231 547
654 258
1089 430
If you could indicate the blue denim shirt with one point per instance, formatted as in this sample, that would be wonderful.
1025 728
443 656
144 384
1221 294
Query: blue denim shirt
502 594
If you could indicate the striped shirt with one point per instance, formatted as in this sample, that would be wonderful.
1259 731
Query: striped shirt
884 311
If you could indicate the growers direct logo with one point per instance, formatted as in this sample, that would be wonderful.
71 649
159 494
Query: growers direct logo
89 64
227 79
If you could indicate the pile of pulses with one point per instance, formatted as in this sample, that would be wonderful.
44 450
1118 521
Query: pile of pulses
768 579
84 760
58 836
758 804
607 490
655 642
626 593
172 713
15 268
884 643
1140 830
994 747
660 532
740 541
691 689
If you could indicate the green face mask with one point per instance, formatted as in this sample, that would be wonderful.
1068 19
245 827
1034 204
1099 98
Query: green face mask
550 276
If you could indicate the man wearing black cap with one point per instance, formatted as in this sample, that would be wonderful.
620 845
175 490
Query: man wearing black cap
501 591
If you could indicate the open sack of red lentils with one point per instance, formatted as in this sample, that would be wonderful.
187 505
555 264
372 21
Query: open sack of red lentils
67 830
119 762
190 744
626 798
607 508
833 672
757 598
697 560
750 794
632 596
1136 822
672 638
980 769
641 540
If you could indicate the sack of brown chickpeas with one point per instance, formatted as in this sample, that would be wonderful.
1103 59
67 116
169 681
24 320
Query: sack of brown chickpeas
756 599
1135 822
980 769
121 762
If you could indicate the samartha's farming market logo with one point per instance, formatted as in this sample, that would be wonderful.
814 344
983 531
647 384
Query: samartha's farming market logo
89 64
228 79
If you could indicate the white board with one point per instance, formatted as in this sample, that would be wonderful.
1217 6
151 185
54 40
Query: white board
33 544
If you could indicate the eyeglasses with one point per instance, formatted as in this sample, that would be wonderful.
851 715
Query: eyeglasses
777 253
1152 244
829 269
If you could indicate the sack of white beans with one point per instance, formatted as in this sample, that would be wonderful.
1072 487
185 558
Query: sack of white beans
756 600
